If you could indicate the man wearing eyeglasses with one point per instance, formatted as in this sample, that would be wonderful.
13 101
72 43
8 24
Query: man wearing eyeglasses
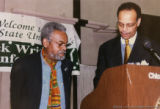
128 46
43 80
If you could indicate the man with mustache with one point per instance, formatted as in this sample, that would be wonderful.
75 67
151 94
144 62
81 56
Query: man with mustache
43 80
112 53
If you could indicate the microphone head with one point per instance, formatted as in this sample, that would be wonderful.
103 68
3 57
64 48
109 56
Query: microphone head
148 45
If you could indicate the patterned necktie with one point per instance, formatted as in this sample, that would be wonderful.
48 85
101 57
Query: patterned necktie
54 100
127 51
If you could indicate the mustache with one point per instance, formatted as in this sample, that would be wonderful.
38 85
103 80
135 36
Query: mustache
61 52
124 32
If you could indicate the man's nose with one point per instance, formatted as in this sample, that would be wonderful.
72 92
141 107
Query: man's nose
125 28
64 47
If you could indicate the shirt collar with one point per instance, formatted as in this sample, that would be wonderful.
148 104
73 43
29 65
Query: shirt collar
131 40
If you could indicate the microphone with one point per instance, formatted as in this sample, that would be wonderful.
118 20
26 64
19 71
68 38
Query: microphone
148 46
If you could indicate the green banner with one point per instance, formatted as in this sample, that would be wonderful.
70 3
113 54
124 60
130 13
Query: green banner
10 51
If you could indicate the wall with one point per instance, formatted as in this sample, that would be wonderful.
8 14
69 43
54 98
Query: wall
60 8
104 11
90 42
2 2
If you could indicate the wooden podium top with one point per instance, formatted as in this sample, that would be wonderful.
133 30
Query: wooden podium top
126 87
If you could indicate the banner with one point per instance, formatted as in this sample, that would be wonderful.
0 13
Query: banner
20 36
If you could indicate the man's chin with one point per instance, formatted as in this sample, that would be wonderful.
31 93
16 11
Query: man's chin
125 37
57 58
60 58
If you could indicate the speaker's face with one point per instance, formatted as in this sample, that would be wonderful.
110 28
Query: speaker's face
128 23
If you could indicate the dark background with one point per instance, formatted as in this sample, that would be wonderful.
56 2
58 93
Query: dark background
150 27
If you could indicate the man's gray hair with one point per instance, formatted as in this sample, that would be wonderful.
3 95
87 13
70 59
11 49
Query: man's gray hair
50 27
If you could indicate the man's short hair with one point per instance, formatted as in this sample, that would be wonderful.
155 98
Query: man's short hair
130 6
50 27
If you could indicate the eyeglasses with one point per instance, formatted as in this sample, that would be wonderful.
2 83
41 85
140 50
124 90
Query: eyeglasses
128 25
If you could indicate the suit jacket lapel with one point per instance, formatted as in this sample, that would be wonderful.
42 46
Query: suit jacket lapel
118 54
138 52
66 71
37 75
134 51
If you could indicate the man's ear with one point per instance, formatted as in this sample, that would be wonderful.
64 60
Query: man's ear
45 42
139 22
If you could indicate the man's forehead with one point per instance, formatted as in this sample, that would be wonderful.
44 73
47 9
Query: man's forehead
127 13
59 36
131 22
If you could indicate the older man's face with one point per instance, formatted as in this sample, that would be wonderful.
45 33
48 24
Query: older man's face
56 46
128 23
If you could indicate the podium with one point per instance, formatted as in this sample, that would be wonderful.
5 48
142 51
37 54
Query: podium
126 87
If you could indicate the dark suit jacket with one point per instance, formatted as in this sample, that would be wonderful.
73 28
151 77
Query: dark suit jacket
110 55
26 82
